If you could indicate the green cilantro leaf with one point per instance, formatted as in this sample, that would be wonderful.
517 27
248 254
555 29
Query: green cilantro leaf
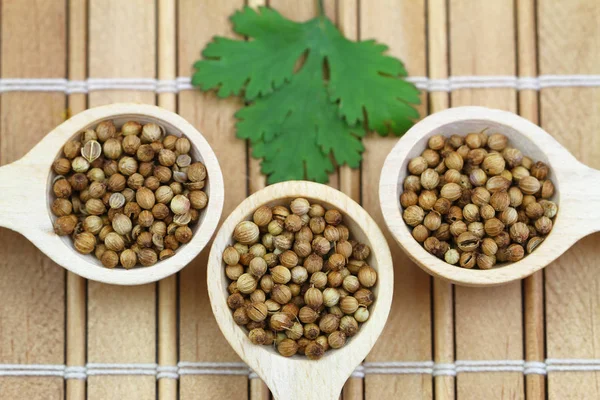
297 137
311 92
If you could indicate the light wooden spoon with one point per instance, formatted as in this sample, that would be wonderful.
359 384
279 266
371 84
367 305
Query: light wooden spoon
297 377
577 191
26 194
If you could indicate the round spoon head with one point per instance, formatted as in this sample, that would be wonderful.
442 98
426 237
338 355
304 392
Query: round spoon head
566 173
27 185
298 377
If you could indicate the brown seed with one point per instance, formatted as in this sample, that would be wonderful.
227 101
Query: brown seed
61 207
519 233
427 199
467 242
116 183
497 141
430 179
257 312
62 189
515 252
512 156
109 259
436 142
367 276
454 214
502 240
235 301
442 206
282 294
361 251
487 211
416 166
451 191
480 196
85 242
262 216
293 223
509 216
443 232
413 215
128 258
493 164
453 160
287 347
546 191
497 184
321 246
493 227
280 321
543 225
246 232
533 243
468 260
477 229
539 170
516 196
485 261
408 198
534 210
529 185
500 201
65 225
489 246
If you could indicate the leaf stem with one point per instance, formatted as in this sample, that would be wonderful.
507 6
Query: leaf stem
321 8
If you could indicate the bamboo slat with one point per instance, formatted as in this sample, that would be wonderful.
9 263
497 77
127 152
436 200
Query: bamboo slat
488 320
347 21
568 44
443 297
167 288
121 320
407 336
199 338
32 316
76 285
535 387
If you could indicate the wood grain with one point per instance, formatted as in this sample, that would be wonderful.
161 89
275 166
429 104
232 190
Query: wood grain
443 291
121 320
493 315
76 285
32 316
199 337
350 179
568 34
407 336
535 385
167 288
256 181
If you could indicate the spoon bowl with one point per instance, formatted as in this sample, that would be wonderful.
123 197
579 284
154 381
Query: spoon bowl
26 187
577 191
298 377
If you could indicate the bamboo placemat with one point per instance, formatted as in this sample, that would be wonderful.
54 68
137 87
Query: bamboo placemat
64 337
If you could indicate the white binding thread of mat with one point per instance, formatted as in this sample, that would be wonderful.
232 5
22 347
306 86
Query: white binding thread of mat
241 369
184 83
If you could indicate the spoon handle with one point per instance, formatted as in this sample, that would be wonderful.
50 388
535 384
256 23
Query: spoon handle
19 187
587 193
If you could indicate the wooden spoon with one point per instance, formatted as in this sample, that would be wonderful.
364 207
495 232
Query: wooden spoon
577 191
26 194
298 377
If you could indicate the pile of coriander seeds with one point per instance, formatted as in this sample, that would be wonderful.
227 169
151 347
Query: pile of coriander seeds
298 280
129 196
475 201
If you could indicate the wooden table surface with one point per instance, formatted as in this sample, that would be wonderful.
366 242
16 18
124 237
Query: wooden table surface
533 339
